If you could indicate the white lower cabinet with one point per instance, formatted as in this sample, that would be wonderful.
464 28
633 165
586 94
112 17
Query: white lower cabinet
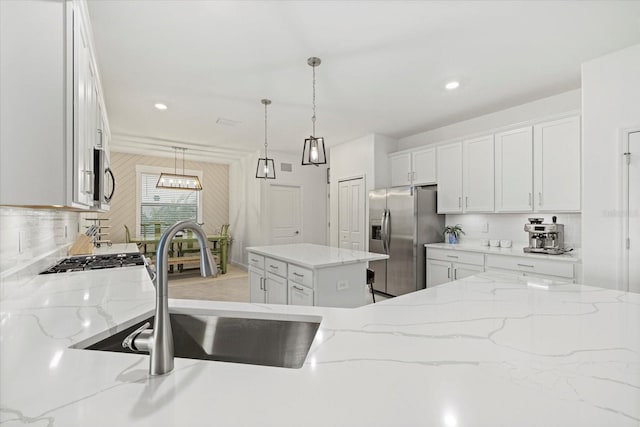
528 266
256 285
267 287
448 265
275 289
299 294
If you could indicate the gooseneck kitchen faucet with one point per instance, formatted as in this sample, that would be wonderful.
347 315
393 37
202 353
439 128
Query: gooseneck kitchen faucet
158 342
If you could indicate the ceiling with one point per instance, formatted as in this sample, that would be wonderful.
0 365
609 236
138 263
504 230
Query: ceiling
384 65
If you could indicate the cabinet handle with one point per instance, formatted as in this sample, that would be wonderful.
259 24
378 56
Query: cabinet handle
540 199
448 272
452 256
264 284
254 260
525 265
261 285
459 202
100 139
408 176
297 288
273 266
466 201
299 275
529 199
455 274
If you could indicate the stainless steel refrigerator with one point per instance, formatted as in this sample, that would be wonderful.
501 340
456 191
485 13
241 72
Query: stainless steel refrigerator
401 221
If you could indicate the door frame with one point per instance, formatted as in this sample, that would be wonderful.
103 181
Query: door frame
365 244
625 141
269 234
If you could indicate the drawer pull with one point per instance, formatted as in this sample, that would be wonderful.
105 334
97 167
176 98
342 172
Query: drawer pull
297 288
452 256
273 266
254 260
299 275
525 265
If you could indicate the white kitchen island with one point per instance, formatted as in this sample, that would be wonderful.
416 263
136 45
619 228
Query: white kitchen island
487 350
308 274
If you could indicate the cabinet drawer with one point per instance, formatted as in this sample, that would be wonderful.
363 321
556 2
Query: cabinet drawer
256 260
299 295
276 267
529 265
301 275
456 256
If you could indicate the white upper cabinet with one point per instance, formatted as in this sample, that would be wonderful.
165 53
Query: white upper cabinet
478 174
400 165
449 167
514 170
423 164
556 160
413 168
51 95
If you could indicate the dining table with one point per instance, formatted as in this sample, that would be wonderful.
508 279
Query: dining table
219 245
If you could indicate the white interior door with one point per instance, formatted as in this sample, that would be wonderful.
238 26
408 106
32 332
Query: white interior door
351 216
634 211
286 214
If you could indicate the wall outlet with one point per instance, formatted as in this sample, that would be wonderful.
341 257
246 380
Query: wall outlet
342 285
484 228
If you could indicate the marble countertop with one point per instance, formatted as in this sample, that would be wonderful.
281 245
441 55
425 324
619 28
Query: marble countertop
573 256
315 256
488 350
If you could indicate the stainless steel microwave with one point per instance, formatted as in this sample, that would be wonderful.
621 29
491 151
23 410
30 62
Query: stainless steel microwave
104 183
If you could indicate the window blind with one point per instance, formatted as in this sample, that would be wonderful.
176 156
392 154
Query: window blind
164 206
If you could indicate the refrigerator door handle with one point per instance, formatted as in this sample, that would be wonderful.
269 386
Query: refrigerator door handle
387 230
383 231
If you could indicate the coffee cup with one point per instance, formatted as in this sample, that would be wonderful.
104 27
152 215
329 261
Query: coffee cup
505 243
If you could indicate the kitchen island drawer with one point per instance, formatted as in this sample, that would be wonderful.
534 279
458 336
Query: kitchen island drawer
301 275
276 267
456 256
256 260
531 265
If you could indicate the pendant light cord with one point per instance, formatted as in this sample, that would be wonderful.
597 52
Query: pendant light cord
313 118
265 133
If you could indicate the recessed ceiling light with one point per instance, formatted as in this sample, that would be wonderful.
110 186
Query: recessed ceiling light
452 85
160 106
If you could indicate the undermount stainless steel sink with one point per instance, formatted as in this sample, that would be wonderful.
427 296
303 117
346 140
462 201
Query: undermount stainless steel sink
256 341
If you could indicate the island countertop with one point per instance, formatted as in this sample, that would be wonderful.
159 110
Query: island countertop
315 256
487 350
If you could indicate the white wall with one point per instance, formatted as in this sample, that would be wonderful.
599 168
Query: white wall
248 203
365 156
517 116
511 227
44 235
610 103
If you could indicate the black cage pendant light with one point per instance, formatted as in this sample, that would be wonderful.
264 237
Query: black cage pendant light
313 152
266 167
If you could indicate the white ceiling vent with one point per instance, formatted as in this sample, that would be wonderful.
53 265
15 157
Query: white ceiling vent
227 122
286 167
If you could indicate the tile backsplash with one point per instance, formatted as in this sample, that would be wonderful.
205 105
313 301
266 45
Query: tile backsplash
511 226
30 234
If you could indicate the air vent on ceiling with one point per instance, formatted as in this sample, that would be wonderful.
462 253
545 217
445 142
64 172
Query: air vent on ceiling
227 122
286 167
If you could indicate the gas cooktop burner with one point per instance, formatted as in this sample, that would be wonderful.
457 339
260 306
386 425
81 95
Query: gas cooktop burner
96 262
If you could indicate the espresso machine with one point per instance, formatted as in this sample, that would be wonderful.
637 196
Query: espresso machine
545 238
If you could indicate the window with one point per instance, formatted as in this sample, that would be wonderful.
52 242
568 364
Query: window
158 208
